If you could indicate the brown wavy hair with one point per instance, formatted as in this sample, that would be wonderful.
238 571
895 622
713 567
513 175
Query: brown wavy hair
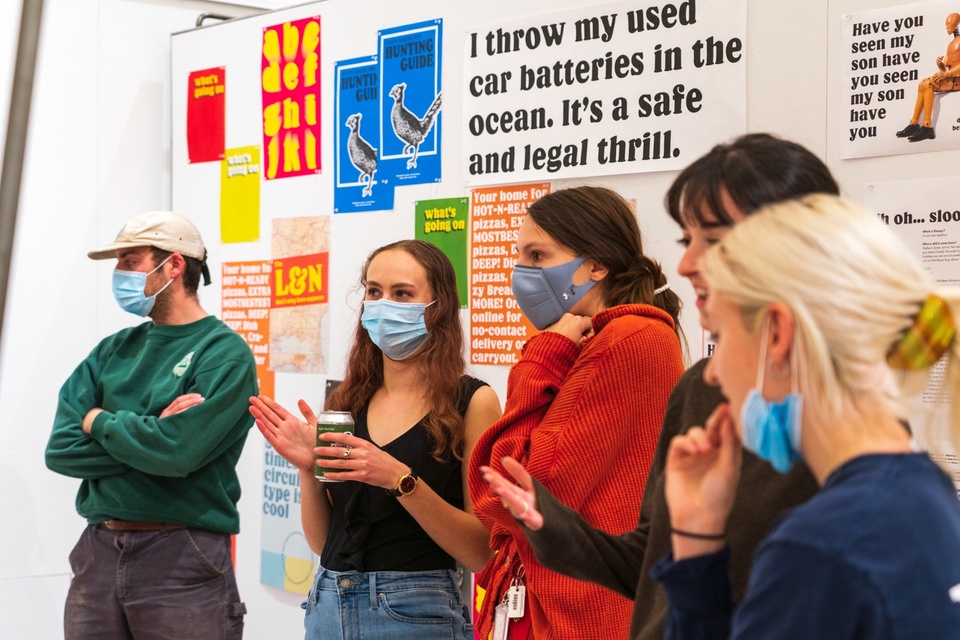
440 358
597 223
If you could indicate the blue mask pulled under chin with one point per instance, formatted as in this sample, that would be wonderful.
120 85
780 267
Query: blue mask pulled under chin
771 430
545 294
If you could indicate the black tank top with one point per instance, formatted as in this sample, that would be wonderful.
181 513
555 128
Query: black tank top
370 530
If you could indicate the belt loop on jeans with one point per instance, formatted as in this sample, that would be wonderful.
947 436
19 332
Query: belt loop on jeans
373 589
140 525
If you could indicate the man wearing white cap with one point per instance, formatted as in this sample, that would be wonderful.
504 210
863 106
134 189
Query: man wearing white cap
153 422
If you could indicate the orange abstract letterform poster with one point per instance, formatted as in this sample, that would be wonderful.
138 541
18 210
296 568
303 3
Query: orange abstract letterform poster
205 119
290 66
245 300
498 329
300 280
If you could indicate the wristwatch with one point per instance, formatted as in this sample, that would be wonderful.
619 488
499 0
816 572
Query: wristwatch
405 486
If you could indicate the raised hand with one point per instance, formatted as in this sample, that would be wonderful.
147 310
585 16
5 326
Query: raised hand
702 470
292 438
520 498
571 326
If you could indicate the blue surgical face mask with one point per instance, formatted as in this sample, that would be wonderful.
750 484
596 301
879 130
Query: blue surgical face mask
128 290
545 294
397 328
771 430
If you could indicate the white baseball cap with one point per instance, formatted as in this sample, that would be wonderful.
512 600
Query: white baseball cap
165 230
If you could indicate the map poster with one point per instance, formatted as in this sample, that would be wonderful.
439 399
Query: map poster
299 296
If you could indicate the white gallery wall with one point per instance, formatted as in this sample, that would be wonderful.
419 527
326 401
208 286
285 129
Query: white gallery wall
99 153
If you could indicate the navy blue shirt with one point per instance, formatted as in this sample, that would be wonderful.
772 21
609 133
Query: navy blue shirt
874 555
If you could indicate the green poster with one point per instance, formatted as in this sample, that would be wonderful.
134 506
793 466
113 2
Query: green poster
443 223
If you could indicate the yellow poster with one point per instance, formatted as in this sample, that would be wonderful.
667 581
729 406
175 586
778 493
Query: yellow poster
240 195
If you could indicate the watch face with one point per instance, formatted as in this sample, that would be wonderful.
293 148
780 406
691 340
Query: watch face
407 484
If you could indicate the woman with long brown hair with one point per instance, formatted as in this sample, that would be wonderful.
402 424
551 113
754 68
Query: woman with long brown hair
390 533
584 403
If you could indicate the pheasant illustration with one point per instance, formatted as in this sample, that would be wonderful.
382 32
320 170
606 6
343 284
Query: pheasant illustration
409 128
362 155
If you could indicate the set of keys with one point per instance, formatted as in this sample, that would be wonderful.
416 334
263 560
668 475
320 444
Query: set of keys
510 608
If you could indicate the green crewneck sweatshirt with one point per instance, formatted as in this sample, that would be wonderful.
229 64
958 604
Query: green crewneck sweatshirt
138 466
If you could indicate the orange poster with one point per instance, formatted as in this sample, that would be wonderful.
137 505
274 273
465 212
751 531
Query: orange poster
245 300
300 280
498 329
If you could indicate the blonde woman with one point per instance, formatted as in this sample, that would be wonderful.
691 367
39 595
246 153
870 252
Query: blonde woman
820 317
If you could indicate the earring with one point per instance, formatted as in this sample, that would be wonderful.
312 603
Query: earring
778 370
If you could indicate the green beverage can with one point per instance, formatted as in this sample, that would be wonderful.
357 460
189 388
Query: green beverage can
332 421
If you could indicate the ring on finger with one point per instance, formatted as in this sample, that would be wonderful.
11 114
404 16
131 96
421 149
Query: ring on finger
346 453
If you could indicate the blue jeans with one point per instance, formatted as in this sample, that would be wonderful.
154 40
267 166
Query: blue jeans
147 585
386 605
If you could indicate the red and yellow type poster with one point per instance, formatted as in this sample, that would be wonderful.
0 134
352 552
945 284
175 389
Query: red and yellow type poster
498 329
290 90
206 95
300 280
245 300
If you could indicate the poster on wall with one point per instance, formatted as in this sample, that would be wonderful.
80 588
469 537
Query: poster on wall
245 308
925 214
498 329
410 102
290 95
206 97
240 195
602 90
444 223
299 294
900 80
356 138
286 561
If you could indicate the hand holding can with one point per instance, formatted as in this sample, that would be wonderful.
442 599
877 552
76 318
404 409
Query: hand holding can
332 422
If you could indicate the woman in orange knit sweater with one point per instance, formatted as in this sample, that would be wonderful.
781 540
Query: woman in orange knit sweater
584 403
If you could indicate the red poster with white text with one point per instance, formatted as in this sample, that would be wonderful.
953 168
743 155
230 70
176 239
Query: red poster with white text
205 114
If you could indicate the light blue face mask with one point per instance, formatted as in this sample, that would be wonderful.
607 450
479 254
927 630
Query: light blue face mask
128 290
545 294
397 328
771 430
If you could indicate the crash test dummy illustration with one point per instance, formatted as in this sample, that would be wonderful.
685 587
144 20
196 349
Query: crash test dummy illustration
945 80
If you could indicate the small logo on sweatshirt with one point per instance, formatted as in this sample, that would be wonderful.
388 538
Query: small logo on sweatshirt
955 593
181 367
